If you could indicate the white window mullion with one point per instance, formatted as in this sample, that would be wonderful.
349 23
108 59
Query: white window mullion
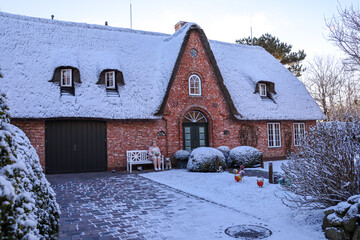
66 78
262 90
110 80
299 133
274 135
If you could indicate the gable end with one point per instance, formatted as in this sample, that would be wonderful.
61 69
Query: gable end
212 60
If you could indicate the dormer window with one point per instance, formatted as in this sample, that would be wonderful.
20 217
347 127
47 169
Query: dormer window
266 90
194 85
110 80
262 90
66 78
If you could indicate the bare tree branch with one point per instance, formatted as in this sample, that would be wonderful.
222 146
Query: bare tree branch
345 33
324 172
333 87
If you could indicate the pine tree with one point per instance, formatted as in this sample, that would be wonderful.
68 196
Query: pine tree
280 50
4 110
28 204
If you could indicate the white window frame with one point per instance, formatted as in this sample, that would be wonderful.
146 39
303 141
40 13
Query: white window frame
62 76
190 88
262 86
271 135
114 79
299 132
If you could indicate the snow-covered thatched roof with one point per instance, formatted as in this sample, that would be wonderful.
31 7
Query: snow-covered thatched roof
32 48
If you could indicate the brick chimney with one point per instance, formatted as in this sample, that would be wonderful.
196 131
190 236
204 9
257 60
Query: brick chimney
179 25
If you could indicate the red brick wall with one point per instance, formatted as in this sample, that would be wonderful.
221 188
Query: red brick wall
35 131
132 135
213 105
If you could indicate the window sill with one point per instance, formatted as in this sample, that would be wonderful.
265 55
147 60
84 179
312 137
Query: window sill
274 147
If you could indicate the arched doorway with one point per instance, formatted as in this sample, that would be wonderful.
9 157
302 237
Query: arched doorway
195 130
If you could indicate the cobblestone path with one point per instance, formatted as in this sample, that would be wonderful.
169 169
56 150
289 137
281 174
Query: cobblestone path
126 206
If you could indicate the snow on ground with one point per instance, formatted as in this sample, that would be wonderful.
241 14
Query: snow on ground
249 199
276 166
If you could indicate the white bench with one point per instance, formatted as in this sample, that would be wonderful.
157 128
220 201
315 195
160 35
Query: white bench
137 157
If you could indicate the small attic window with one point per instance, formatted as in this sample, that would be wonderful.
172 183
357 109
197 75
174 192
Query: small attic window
110 80
66 78
265 89
262 89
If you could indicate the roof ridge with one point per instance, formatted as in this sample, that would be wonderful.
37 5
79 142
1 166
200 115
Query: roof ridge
78 24
238 45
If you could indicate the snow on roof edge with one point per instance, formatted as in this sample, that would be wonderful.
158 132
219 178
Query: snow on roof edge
78 24
253 47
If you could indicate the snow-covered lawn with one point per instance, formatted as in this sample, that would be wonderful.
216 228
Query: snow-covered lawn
276 166
249 199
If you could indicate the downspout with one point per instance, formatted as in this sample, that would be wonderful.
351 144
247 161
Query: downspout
167 134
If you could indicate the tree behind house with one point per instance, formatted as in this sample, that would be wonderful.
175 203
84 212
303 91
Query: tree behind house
280 50
345 33
332 87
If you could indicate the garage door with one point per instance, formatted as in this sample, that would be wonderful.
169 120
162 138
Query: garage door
75 146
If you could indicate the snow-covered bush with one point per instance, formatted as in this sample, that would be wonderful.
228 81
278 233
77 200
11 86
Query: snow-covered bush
28 209
181 157
205 159
325 171
4 110
226 151
245 155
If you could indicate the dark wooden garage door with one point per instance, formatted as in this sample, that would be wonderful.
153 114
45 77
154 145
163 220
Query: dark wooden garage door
75 146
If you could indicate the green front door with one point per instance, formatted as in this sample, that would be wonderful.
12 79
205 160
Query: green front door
195 135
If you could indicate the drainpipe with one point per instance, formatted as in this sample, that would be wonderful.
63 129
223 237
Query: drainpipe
167 134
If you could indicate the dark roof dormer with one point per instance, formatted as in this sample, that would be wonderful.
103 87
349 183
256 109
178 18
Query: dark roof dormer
66 77
265 89
112 79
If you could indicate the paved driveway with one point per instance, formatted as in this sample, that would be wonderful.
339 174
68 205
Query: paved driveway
126 206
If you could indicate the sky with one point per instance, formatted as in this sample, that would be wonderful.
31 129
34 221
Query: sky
299 23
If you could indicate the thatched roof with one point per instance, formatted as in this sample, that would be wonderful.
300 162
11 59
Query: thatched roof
32 48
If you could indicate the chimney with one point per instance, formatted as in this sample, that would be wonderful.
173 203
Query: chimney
179 25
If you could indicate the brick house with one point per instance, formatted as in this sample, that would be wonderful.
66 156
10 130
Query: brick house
84 94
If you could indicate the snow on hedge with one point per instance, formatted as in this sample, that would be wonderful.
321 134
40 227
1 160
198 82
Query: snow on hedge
27 202
203 159
182 155
226 151
245 155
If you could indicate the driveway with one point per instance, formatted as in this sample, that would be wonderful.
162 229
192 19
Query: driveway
109 205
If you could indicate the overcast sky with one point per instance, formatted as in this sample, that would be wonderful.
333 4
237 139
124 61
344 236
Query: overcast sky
300 23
